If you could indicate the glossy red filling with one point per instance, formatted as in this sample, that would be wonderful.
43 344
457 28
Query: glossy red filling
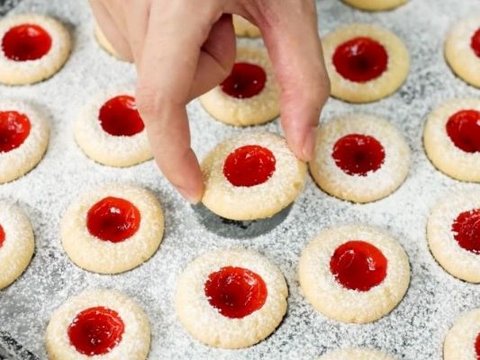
14 130
236 292
245 81
119 116
477 346
249 165
360 59
113 219
475 43
358 154
2 236
96 331
358 265
463 128
466 230
26 42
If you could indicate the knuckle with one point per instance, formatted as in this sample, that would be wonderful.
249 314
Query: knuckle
149 101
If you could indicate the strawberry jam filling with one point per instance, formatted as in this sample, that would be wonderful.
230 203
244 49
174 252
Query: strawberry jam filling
475 43
358 154
2 236
236 292
113 219
360 59
249 165
26 42
466 230
245 81
14 130
477 346
358 265
119 116
463 128
96 331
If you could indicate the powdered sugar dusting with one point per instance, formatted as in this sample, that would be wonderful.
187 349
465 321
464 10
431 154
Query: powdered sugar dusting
414 330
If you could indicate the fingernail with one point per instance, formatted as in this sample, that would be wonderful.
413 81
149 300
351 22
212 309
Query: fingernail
309 145
193 197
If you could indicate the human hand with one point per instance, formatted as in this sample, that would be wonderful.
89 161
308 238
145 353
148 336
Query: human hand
184 48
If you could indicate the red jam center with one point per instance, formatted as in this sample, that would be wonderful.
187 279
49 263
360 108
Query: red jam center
466 230
26 42
358 265
477 346
475 43
236 292
14 129
113 219
249 165
463 128
96 331
2 236
119 116
358 154
245 81
360 59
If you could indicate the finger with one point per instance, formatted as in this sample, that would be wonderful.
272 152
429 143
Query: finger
299 68
137 25
175 35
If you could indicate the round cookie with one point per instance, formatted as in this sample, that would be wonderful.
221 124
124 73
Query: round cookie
356 354
375 5
463 339
24 134
110 130
365 63
249 95
105 44
231 298
101 324
33 48
112 229
245 28
452 138
16 243
462 50
453 230
360 158
354 273
251 176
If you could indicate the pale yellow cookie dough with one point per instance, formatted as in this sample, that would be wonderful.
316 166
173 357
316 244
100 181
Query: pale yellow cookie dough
19 161
460 340
135 342
376 184
105 44
332 299
18 246
32 71
386 84
105 257
254 202
459 53
456 260
104 148
206 323
255 110
441 150
245 28
356 354
375 5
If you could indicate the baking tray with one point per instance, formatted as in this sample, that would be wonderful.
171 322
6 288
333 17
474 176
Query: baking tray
414 330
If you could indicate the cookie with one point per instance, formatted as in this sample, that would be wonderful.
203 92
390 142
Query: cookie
251 176
112 229
462 50
463 339
356 354
110 130
105 44
365 63
231 298
249 95
24 134
245 28
354 273
101 324
375 5
453 231
452 139
16 243
34 47
360 158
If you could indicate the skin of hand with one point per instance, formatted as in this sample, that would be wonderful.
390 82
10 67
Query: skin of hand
183 48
